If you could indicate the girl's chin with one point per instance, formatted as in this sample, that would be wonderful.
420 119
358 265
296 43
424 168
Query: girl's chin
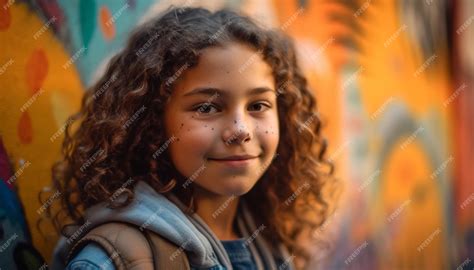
228 186
238 190
231 190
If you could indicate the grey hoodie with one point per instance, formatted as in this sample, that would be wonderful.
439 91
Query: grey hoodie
166 217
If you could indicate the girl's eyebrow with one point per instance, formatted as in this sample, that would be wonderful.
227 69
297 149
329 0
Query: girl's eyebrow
210 91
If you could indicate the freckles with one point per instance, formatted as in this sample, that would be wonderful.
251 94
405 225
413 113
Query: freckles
271 129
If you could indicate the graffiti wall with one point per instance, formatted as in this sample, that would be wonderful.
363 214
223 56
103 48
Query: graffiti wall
394 85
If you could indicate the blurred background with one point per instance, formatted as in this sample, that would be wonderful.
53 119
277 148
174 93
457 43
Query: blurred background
394 82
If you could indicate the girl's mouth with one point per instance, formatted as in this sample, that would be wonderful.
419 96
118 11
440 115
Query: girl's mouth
235 161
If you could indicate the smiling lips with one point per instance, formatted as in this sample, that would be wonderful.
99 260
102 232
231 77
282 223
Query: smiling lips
235 161
234 158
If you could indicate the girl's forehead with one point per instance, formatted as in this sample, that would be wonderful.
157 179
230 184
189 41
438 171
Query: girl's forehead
233 67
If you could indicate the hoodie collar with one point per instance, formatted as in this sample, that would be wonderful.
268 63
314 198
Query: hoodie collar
166 216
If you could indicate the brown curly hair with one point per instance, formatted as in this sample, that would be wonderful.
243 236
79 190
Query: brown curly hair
100 155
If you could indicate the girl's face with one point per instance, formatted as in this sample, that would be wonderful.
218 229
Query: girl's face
222 120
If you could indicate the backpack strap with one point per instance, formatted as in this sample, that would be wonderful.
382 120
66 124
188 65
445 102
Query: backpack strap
166 254
130 248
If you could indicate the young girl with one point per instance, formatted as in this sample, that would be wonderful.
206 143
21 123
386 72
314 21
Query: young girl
199 148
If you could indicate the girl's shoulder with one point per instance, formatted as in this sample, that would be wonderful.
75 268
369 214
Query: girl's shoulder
91 257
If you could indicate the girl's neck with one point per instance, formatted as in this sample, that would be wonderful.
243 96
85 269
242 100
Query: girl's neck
219 213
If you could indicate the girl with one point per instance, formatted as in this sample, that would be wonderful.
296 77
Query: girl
199 148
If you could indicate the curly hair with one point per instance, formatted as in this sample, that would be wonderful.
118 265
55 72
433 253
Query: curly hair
102 149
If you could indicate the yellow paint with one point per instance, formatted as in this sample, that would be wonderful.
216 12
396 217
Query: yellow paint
60 97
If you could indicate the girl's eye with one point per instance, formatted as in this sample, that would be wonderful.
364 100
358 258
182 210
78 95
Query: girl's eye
206 108
260 106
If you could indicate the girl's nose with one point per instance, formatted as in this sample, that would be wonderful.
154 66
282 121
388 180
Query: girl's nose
237 134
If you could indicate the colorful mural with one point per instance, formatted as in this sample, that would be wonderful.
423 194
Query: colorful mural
392 84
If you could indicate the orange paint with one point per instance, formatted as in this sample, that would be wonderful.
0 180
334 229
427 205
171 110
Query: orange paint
5 17
36 70
25 129
107 24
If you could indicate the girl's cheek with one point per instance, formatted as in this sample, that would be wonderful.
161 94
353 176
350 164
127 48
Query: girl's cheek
195 127
268 132
197 133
